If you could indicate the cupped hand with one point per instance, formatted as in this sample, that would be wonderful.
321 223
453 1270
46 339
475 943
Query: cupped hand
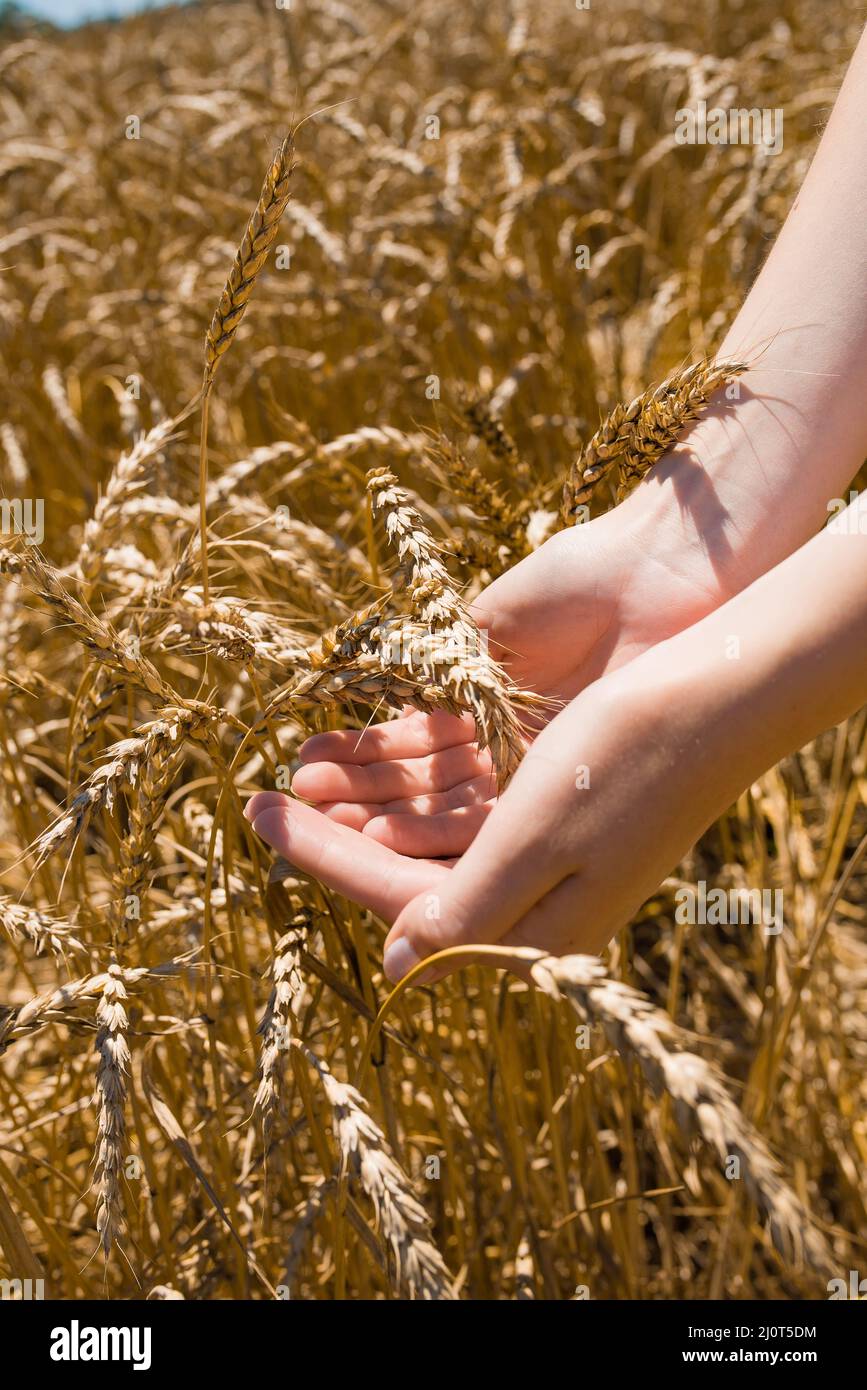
583 604
393 807
562 859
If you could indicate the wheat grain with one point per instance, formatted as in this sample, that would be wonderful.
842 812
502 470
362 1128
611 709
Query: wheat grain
133 471
41 928
275 1030
153 743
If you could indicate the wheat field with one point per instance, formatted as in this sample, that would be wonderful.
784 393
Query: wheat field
368 405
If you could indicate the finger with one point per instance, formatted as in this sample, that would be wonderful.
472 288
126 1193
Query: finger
358 814
475 792
352 864
429 837
393 780
414 736
262 801
355 814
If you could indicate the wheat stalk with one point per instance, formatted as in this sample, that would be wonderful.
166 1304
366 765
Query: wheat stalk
305 1218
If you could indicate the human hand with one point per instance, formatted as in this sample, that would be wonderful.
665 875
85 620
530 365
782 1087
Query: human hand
547 866
585 603
621 782
395 805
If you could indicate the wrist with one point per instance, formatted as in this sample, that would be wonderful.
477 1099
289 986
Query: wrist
738 495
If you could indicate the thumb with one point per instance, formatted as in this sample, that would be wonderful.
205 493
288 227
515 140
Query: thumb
499 879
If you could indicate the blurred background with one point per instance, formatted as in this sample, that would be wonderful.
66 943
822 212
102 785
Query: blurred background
458 156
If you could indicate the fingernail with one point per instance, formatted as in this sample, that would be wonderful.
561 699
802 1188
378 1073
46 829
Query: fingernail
399 959
274 826
308 749
248 814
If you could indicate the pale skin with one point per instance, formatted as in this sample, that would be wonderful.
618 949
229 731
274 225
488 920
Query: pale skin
627 622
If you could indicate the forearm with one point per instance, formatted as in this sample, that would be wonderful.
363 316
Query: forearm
769 670
755 475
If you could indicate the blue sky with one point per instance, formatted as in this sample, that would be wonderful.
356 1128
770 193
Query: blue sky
68 12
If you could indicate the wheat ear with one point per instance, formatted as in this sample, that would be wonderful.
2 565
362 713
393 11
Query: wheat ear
634 436
41 928
146 802
483 420
152 742
704 1108
249 260
277 1025
113 1049
421 1270
450 649
97 635
132 472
